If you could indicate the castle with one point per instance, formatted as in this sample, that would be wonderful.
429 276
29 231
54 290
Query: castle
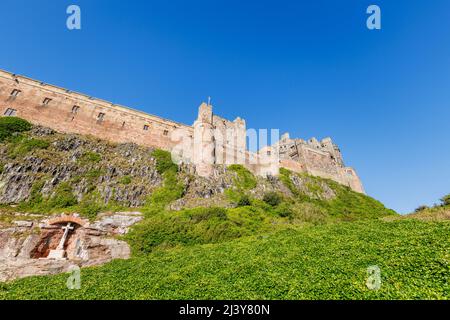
210 141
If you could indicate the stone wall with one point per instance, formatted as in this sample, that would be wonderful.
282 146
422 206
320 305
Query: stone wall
71 112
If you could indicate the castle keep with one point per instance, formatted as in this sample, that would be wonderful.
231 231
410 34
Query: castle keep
210 141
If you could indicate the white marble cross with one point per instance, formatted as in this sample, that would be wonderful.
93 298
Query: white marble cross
64 237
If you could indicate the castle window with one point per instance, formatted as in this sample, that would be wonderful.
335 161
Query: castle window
100 117
15 93
46 101
10 112
269 153
146 127
75 109
166 132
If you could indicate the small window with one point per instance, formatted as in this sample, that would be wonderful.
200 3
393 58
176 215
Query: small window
10 112
100 117
75 109
269 153
123 124
146 127
15 93
166 132
46 101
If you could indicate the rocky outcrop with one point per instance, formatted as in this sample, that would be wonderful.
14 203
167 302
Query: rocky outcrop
124 173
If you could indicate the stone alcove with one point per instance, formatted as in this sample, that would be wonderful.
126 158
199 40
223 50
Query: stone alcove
52 233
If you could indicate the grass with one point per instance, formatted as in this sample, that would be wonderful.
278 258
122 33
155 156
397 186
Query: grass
21 146
323 262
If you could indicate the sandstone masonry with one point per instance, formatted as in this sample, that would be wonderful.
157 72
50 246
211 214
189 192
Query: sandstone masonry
210 141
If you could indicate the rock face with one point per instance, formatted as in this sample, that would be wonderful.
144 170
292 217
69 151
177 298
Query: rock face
124 173
25 247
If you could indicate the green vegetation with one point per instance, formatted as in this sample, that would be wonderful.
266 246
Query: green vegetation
245 179
11 125
125 180
62 197
171 188
345 205
20 146
321 262
194 226
244 200
446 200
314 242
91 205
90 157
164 161
272 198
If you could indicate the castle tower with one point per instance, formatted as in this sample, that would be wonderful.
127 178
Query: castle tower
240 132
204 143
328 145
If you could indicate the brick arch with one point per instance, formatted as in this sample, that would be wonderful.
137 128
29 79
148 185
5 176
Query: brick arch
67 219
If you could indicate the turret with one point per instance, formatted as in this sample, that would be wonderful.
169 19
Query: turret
204 144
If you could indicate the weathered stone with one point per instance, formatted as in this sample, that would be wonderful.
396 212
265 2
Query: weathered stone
23 254
24 224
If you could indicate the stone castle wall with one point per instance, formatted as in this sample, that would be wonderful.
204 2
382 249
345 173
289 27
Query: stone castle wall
71 112
211 140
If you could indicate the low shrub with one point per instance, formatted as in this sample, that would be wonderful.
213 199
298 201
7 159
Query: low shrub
272 198
22 146
421 208
446 200
245 179
63 197
90 157
125 180
243 201
90 206
284 210
10 125
164 161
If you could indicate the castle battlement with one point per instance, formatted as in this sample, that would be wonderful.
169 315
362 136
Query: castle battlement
211 140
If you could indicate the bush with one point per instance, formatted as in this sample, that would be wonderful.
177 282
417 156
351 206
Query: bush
63 197
243 201
284 210
167 229
170 191
164 161
10 125
446 200
245 179
89 206
272 198
421 208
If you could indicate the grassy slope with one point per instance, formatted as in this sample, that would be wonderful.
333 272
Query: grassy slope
317 262
303 247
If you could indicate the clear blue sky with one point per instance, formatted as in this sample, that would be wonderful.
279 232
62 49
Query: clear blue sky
308 67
